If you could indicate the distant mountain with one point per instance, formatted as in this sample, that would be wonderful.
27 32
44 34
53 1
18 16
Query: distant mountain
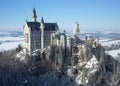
10 33
101 34
83 34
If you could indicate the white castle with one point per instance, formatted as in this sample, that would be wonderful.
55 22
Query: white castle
38 35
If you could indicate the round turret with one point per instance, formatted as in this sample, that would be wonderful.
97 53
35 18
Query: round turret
76 25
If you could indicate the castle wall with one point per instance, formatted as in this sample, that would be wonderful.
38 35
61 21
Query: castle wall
26 38
93 42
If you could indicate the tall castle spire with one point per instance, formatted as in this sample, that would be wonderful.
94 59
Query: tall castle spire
42 20
76 29
34 15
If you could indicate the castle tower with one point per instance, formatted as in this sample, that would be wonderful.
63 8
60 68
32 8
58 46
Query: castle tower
42 34
76 30
34 15
97 41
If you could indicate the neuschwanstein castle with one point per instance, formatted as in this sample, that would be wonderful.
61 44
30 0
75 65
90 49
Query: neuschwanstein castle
38 35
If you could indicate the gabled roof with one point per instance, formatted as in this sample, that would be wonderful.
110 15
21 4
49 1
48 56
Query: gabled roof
50 26
33 25
36 26
42 20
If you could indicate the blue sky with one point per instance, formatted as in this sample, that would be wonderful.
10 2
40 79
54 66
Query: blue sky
92 15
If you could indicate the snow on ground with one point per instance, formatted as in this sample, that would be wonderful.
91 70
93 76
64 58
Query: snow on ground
10 39
92 63
8 43
113 53
21 55
109 42
91 67
84 70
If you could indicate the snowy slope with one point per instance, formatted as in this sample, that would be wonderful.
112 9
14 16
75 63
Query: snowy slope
90 68
109 42
10 33
10 40
113 53
10 45
101 34
84 68
113 45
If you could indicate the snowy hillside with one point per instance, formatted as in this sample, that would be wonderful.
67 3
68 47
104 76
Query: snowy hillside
91 67
109 42
109 39
112 47
10 39
113 53
101 34
10 33
88 66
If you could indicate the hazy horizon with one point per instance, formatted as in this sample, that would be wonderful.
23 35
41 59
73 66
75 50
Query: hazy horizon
68 31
